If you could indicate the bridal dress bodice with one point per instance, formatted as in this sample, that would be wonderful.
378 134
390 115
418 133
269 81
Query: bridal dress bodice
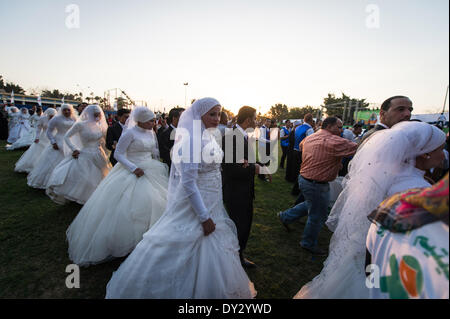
13 118
90 135
24 119
136 146
61 124
34 120
200 182
41 128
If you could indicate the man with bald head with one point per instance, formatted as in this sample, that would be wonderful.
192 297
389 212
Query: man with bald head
394 110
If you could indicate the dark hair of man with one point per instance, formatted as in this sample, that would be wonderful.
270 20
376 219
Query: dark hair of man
308 118
357 125
244 113
387 104
122 112
175 112
223 118
329 121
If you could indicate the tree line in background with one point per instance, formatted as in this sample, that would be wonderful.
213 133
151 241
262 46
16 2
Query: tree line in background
344 106
8 87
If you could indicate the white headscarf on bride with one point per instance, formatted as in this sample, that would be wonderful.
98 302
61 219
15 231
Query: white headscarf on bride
190 137
387 155
49 112
89 115
187 154
73 114
139 114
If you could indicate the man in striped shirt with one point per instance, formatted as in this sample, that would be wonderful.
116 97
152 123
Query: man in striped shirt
322 155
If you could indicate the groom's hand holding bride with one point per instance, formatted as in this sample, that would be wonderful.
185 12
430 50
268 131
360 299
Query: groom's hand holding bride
208 226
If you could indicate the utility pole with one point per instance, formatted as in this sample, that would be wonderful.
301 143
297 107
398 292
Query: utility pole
356 111
445 100
185 89
345 111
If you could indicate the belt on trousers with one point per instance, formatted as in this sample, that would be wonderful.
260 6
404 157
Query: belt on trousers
313 181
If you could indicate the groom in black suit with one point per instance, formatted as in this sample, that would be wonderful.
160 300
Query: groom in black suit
238 177
113 133
164 137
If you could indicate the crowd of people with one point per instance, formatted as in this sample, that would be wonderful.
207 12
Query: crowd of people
175 195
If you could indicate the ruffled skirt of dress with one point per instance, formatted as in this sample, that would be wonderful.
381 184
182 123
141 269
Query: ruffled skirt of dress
42 170
175 260
75 179
26 137
14 132
31 156
119 212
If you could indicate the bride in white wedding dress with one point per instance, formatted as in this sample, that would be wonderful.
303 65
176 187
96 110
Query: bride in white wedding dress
383 166
32 155
76 177
127 202
56 151
23 131
192 251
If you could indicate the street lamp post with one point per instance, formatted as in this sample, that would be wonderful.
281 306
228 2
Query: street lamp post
185 89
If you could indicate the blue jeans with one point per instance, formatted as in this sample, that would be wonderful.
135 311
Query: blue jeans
315 206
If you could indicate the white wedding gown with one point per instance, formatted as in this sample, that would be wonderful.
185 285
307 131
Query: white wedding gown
41 172
34 122
75 179
32 155
343 275
175 260
23 131
123 207
13 126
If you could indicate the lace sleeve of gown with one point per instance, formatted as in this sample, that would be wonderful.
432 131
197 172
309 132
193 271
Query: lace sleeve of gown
71 132
119 154
189 182
51 126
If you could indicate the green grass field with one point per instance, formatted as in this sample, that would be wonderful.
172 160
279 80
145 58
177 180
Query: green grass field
33 248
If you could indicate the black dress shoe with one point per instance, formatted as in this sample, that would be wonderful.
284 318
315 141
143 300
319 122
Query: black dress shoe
284 224
316 251
247 263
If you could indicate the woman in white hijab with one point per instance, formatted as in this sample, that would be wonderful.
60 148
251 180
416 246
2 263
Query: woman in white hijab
127 202
56 151
390 162
31 156
23 131
13 124
76 177
192 251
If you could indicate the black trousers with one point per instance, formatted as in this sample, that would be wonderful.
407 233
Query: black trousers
242 217
284 149
297 160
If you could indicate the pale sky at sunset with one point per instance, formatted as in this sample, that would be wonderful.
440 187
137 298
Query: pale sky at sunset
243 52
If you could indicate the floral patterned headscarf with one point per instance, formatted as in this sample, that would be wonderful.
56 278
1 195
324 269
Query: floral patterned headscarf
413 208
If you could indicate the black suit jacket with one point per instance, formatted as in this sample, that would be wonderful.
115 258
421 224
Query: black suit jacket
238 182
113 134
165 145
238 185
